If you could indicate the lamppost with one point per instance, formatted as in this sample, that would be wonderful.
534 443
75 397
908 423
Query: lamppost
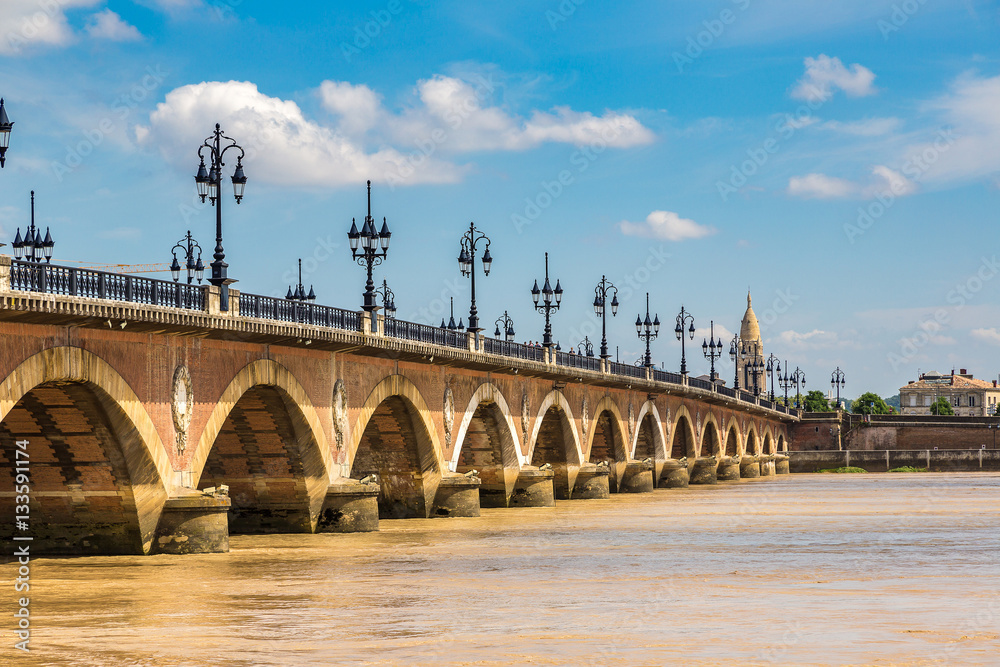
600 298
374 248
209 183
682 318
388 299
32 247
647 330
586 347
505 324
300 291
773 366
786 382
451 323
837 380
467 263
551 299
189 248
757 368
798 377
712 350
735 349
5 127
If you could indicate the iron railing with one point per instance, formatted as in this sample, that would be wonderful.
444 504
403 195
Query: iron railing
76 281
578 361
425 333
616 368
700 384
290 310
511 349
667 376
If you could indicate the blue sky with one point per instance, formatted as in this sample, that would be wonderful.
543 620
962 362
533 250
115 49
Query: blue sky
841 160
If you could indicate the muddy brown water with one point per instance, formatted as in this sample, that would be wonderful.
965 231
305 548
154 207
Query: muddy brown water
890 569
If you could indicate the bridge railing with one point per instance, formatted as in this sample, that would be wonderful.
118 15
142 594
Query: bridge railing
578 361
726 391
667 376
701 384
625 369
506 348
426 333
76 281
290 310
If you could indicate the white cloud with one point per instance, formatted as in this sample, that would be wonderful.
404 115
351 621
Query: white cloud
887 181
27 23
815 339
721 332
283 146
110 26
990 335
666 225
884 181
452 115
825 75
869 127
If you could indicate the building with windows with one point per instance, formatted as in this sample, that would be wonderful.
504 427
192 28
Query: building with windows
968 396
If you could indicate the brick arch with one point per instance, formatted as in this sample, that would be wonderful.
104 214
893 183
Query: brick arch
556 399
401 446
683 427
733 439
659 447
607 409
782 444
486 440
752 445
710 434
291 495
138 448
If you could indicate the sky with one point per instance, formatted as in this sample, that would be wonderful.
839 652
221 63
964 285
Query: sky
839 160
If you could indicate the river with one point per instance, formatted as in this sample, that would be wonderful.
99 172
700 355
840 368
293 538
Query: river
876 569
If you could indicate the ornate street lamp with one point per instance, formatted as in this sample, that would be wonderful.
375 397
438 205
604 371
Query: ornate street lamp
756 367
773 366
551 299
32 247
374 246
735 350
505 325
647 330
799 377
467 263
388 299
191 252
787 382
451 323
712 349
5 127
837 380
601 292
586 347
209 182
684 318
299 294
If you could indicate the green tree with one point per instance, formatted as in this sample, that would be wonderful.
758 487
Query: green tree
941 407
870 403
816 402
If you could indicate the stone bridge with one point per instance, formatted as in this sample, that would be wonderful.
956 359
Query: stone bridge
136 395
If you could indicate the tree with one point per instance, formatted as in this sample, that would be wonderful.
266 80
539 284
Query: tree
941 407
870 403
816 402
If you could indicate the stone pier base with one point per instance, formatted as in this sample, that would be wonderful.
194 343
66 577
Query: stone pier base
193 524
457 496
767 465
534 488
749 467
350 507
705 470
728 470
637 478
674 475
781 466
592 482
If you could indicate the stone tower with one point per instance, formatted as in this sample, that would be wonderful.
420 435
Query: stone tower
751 352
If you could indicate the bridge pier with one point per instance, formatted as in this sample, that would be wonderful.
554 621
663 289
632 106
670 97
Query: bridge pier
350 506
592 481
637 478
674 475
781 466
705 470
457 496
193 524
749 467
729 469
767 465
534 488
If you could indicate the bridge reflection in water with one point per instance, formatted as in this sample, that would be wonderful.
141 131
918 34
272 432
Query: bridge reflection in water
136 395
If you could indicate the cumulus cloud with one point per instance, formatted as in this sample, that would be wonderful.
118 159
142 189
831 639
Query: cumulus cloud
666 225
991 335
109 25
812 340
820 186
883 182
454 115
825 75
28 23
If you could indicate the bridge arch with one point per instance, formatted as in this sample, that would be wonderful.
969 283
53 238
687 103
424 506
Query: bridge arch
264 439
394 436
555 441
486 440
120 470
711 440
734 438
683 440
782 444
752 446
648 441
607 422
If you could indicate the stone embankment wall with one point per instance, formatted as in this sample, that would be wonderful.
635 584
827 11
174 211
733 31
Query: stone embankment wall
833 431
949 460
